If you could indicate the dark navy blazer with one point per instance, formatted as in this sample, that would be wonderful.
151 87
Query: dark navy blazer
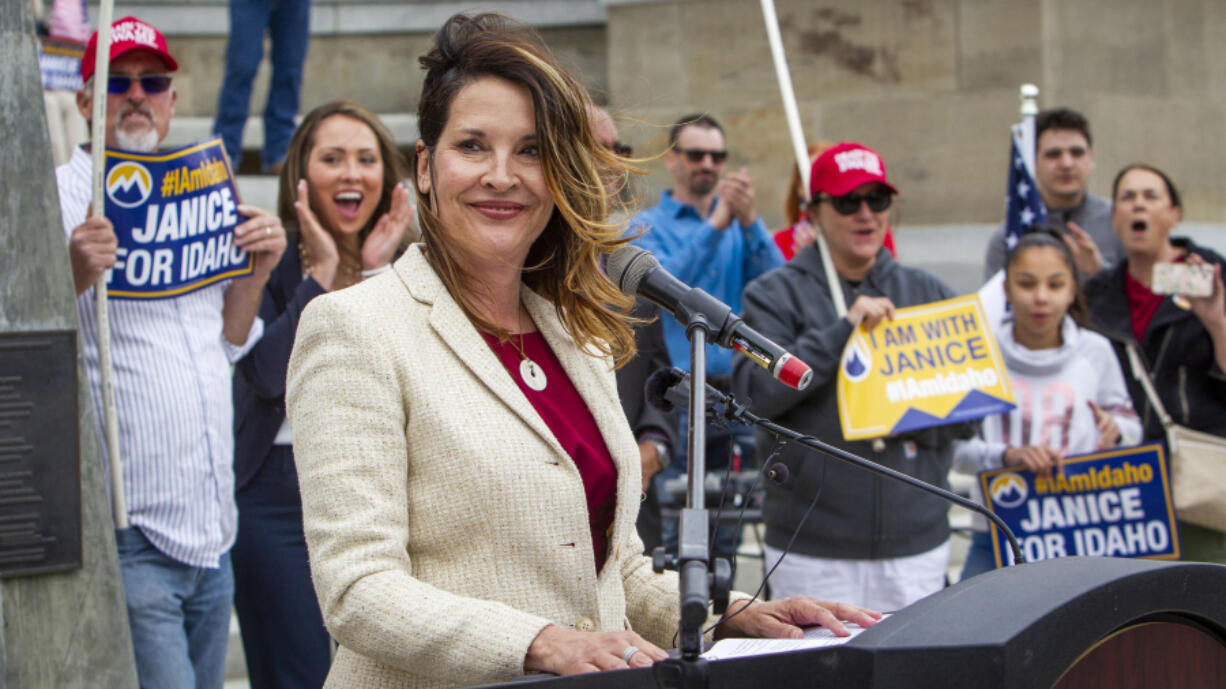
259 378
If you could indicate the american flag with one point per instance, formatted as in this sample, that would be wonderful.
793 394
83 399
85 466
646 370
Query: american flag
1023 205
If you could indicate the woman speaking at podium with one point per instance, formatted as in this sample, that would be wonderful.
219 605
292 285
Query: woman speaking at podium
469 481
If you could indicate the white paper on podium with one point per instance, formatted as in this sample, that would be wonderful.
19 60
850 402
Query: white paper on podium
815 637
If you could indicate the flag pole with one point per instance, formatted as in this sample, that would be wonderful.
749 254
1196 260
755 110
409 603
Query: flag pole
799 148
1028 94
102 69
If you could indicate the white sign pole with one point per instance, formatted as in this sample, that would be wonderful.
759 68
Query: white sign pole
799 147
102 69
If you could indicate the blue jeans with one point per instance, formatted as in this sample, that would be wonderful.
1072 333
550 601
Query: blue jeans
718 452
179 615
288 24
980 557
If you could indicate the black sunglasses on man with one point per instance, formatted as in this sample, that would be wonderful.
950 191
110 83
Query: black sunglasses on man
695 155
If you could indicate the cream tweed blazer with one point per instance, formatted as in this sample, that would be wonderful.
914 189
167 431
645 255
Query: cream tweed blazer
446 525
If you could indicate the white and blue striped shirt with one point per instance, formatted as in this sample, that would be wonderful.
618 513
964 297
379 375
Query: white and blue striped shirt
173 402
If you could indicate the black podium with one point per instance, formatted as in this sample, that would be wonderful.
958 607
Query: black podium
1068 623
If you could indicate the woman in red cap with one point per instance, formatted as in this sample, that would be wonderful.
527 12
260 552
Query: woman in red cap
868 540
800 233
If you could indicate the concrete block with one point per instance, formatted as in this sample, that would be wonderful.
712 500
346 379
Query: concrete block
1117 47
211 17
1186 20
66 630
947 155
726 56
380 71
645 56
999 43
843 48
1173 134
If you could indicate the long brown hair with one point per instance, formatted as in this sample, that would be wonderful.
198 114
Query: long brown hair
299 153
563 263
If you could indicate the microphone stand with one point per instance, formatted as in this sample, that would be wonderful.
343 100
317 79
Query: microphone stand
702 577
735 411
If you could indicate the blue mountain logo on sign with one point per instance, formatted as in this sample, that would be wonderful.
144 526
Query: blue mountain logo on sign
977 405
858 363
129 184
915 419
1008 490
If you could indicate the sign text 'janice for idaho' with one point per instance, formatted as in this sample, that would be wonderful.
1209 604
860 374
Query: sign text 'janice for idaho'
1112 504
174 214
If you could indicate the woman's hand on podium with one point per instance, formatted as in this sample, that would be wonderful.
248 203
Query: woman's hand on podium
568 652
786 619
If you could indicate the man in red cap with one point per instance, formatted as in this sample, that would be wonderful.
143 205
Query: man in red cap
172 387
868 540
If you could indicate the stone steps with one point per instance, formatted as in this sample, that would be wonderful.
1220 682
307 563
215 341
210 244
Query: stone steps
186 130
259 191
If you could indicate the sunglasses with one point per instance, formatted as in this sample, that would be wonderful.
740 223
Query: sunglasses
695 155
848 204
151 83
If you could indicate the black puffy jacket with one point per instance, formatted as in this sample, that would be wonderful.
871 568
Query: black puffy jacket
1177 350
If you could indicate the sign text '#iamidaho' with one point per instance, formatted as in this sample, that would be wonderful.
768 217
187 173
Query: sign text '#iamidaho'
1114 503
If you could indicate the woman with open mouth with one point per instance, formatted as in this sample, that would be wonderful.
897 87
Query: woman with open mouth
347 217
1182 337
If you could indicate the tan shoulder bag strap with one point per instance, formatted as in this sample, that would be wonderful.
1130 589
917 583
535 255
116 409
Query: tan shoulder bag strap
1142 375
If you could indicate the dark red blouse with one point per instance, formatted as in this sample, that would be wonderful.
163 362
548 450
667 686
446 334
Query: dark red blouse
566 414
1143 304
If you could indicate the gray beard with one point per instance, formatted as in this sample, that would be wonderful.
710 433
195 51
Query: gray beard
145 142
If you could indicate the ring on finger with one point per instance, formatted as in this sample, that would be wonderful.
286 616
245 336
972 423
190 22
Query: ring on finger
629 653
267 231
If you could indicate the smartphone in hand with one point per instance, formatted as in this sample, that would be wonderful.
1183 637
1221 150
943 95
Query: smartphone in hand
1187 279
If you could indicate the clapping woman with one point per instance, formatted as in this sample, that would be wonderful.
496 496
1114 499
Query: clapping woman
469 480
347 217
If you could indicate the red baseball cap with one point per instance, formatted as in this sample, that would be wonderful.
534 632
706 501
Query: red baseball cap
840 169
128 34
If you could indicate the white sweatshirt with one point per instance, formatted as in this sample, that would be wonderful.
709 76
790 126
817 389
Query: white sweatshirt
1052 388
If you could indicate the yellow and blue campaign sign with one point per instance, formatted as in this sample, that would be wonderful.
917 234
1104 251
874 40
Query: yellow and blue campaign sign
174 214
1114 504
934 364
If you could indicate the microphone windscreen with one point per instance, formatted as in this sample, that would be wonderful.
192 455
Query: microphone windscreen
657 386
794 373
779 473
627 266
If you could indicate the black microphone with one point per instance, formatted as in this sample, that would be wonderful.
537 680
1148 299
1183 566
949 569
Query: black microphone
637 273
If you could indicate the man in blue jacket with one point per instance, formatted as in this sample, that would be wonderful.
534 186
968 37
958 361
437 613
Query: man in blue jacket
706 232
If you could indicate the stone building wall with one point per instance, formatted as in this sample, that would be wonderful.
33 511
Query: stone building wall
932 84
